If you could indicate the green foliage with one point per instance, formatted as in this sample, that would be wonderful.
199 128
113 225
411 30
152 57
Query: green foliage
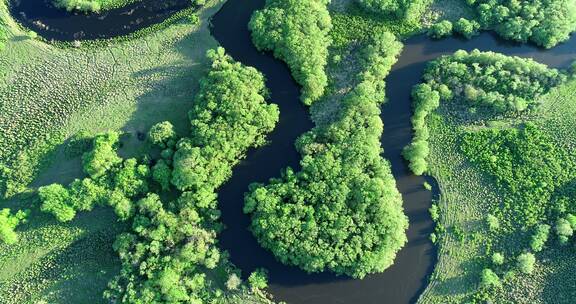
402 9
162 174
434 212
230 116
467 28
103 155
161 133
441 29
496 81
258 279
342 211
425 101
525 262
564 230
527 165
545 23
91 5
489 279
170 255
498 259
492 222
297 32
540 237
9 222
78 144
55 200
113 182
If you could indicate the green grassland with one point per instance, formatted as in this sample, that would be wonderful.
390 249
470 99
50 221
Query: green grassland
467 196
48 92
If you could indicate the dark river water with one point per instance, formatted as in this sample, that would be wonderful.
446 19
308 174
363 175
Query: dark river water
407 278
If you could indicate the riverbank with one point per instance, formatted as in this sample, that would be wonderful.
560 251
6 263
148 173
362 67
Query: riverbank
50 92
468 195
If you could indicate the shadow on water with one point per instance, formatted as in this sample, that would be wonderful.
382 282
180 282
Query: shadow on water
57 24
406 279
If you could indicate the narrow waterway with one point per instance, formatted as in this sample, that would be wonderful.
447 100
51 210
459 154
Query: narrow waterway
57 24
407 278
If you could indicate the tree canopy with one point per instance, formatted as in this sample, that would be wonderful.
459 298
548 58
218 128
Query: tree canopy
342 211
297 32
544 22
230 116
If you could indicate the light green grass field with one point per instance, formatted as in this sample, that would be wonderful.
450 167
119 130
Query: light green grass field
467 194
51 92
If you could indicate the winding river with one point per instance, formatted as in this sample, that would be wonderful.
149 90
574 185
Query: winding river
407 278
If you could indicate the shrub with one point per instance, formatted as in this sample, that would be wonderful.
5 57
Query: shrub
9 222
489 279
525 263
441 29
540 237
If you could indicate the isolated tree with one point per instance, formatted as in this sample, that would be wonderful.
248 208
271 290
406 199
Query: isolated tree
525 262
161 133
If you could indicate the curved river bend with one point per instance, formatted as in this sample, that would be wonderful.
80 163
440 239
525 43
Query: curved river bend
407 278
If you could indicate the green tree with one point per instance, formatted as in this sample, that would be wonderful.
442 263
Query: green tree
161 133
441 29
56 200
9 222
525 262
103 156
489 279
540 237
297 32
258 279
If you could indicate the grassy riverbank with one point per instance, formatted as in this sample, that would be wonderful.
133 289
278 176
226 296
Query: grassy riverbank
468 195
49 93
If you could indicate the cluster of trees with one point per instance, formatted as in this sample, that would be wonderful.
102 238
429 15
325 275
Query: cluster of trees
173 244
493 81
544 22
9 222
425 101
297 32
401 9
230 116
489 79
464 27
111 181
342 211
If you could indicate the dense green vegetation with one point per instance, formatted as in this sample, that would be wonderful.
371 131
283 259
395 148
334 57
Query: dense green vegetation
228 118
297 32
8 222
507 169
342 211
91 5
528 167
403 9
172 246
480 82
544 22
